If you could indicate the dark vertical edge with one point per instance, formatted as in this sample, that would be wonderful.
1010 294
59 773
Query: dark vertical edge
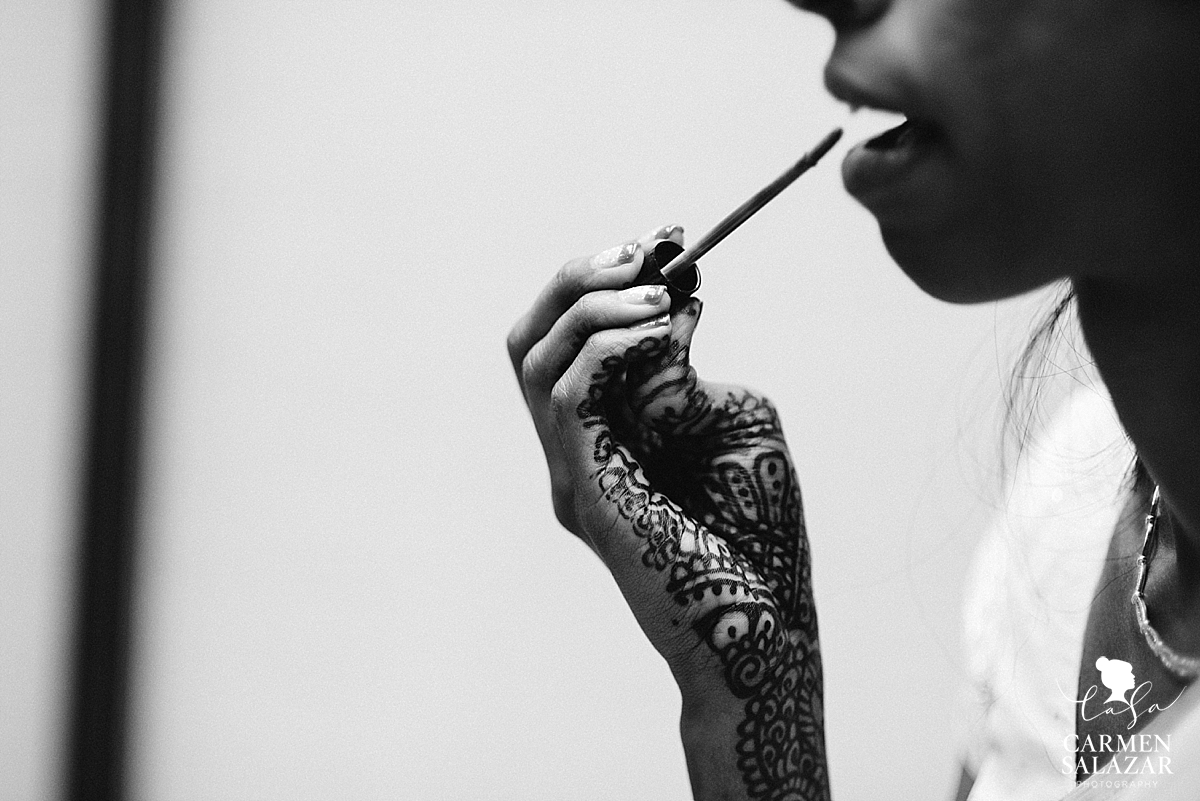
97 726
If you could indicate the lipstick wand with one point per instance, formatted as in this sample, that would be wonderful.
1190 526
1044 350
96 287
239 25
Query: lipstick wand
743 212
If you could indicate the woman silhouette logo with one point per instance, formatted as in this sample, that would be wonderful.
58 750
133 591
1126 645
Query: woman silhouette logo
1117 676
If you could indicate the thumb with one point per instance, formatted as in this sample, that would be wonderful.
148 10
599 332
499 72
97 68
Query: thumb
664 391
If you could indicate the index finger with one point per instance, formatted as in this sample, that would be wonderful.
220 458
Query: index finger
672 232
609 269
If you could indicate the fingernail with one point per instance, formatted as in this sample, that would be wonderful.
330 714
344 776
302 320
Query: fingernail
653 322
622 254
667 231
649 295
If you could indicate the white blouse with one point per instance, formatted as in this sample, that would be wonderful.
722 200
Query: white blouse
1027 597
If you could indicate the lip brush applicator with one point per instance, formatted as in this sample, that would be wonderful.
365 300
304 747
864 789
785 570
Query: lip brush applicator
747 209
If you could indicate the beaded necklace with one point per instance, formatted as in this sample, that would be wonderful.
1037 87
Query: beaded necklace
1185 667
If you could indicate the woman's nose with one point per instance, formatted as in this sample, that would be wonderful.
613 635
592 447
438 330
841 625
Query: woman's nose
846 14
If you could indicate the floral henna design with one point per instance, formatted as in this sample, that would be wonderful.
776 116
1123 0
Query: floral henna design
670 374
729 534
688 415
758 508
781 746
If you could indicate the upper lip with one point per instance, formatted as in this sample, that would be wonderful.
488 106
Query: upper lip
850 91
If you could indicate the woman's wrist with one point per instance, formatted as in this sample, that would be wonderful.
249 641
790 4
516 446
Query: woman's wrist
764 741
710 747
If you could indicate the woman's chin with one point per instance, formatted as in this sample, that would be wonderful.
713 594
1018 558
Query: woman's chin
958 269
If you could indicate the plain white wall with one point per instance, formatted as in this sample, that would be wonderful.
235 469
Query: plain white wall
48 58
353 584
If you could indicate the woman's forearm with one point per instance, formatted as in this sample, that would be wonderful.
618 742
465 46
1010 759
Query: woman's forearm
763 738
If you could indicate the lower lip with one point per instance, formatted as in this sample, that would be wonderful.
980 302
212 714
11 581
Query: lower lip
905 183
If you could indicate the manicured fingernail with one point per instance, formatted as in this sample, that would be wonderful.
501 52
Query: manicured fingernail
612 257
649 295
667 231
653 322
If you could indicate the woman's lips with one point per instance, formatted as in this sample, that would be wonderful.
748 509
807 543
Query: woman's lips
901 174
905 134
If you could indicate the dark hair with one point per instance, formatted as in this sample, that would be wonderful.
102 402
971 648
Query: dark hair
1054 351
1033 389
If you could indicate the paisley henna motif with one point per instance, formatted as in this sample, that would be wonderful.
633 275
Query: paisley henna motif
725 524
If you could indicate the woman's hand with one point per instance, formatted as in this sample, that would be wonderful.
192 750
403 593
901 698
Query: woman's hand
686 491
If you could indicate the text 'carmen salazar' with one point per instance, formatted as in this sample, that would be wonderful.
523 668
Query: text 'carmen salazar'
1131 754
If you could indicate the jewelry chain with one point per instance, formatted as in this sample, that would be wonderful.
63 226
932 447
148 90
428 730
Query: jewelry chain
1185 667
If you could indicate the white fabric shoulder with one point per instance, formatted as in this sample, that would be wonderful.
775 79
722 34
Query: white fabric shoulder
1027 597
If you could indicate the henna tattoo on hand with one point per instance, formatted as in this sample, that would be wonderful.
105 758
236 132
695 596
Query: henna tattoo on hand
726 527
